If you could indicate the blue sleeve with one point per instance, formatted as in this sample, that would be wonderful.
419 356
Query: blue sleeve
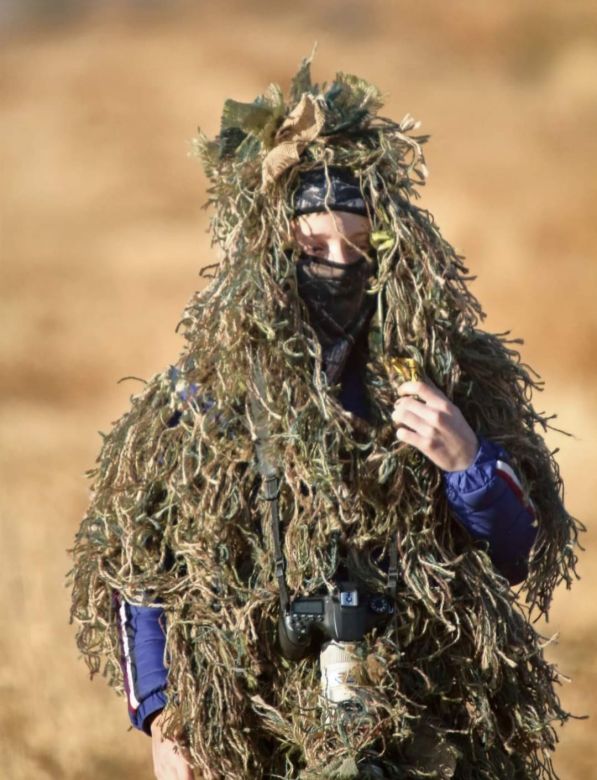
142 644
488 500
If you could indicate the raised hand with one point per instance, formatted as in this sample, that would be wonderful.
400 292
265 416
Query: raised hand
434 425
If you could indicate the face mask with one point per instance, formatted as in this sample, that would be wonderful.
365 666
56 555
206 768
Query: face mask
334 294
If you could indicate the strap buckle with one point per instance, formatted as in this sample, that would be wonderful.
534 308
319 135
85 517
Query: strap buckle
271 485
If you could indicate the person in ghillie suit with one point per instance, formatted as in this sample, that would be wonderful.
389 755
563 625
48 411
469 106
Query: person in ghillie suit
403 439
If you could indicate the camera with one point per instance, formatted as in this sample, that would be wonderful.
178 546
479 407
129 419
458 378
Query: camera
343 616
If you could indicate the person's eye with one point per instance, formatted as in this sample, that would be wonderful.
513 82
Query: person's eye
360 247
357 251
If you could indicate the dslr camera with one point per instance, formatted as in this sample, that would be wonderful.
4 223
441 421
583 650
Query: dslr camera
343 616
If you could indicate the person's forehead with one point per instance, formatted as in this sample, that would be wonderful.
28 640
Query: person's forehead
330 224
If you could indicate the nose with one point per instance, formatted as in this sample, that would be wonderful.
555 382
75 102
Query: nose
340 252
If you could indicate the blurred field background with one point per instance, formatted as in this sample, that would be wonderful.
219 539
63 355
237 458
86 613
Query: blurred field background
102 236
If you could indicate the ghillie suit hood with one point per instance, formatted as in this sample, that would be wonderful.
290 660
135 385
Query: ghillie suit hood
177 517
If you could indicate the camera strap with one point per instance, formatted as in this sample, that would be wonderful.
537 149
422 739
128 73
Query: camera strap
393 570
270 481
271 492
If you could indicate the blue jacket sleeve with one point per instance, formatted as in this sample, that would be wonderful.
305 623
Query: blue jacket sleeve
488 500
142 644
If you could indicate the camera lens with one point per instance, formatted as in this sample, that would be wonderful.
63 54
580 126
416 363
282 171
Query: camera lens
381 605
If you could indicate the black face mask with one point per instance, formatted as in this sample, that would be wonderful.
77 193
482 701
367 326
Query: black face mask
335 295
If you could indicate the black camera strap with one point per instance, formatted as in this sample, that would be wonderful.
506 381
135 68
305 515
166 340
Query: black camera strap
271 492
393 570
271 483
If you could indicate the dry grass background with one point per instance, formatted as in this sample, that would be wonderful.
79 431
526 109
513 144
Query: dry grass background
103 234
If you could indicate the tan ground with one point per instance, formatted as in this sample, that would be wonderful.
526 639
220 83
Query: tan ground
102 237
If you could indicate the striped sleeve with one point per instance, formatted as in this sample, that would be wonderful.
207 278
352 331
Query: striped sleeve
489 501
142 646
506 472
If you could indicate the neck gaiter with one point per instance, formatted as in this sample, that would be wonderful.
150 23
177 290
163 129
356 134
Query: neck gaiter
335 296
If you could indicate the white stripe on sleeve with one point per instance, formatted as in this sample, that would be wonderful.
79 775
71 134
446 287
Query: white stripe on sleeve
127 656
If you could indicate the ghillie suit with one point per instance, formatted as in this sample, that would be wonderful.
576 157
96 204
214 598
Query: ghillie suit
177 517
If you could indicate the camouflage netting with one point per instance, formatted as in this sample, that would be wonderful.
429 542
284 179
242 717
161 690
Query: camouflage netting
177 516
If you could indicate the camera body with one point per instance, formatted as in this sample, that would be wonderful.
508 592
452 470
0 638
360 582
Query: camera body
343 616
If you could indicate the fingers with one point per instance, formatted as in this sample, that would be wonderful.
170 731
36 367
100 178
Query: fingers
416 422
426 391
170 763
429 443
418 413
417 440
433 425
417 425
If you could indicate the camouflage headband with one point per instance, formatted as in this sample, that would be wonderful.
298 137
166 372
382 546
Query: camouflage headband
339 190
